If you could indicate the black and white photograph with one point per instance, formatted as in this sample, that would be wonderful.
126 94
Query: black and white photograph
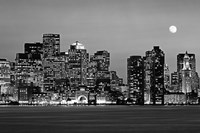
99 66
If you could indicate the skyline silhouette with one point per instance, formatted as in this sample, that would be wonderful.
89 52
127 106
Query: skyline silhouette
123 28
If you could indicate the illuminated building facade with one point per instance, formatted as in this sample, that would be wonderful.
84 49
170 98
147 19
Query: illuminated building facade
51 48
12 75
154 76
22 68
192 65
24 94
54 62
5 81
51 45
135 78
28 66
64 57
92 75
186 75
157 87
114 80
33 48
34 51
147 78
5 72
54 69
78 64
174 82
102 58
61 81
166 78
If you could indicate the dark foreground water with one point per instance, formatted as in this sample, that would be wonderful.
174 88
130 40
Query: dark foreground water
100 119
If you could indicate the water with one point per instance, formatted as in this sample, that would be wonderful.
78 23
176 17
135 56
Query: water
100 119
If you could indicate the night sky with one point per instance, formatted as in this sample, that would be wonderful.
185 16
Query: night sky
122 27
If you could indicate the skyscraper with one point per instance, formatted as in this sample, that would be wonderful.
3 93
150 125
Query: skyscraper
5 72
186 75
22 68
29 66
154 64
135 78
51 64
35 52
192 65
166 78
92 75
158 58
78 65
51 45
147 78
102 58
23 71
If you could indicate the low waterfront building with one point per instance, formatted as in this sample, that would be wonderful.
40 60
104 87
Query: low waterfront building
176 98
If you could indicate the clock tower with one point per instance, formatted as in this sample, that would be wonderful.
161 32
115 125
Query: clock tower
186 75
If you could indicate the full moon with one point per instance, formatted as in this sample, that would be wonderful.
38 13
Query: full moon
173 29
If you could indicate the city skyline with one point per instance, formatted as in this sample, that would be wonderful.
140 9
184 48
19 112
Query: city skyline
103 25
99 66
91 54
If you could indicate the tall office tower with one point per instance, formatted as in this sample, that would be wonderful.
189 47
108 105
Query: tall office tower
54 69
64 57
22 69
35 52
174 82
51 45
29 71
102 58
166 78
147 78
91 75
158 58
51 50
78 65
22 75
154 76
135 78
28 66
192 64
61 74
36 70
5 72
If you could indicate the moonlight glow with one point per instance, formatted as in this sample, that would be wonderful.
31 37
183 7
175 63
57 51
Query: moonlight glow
173 29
